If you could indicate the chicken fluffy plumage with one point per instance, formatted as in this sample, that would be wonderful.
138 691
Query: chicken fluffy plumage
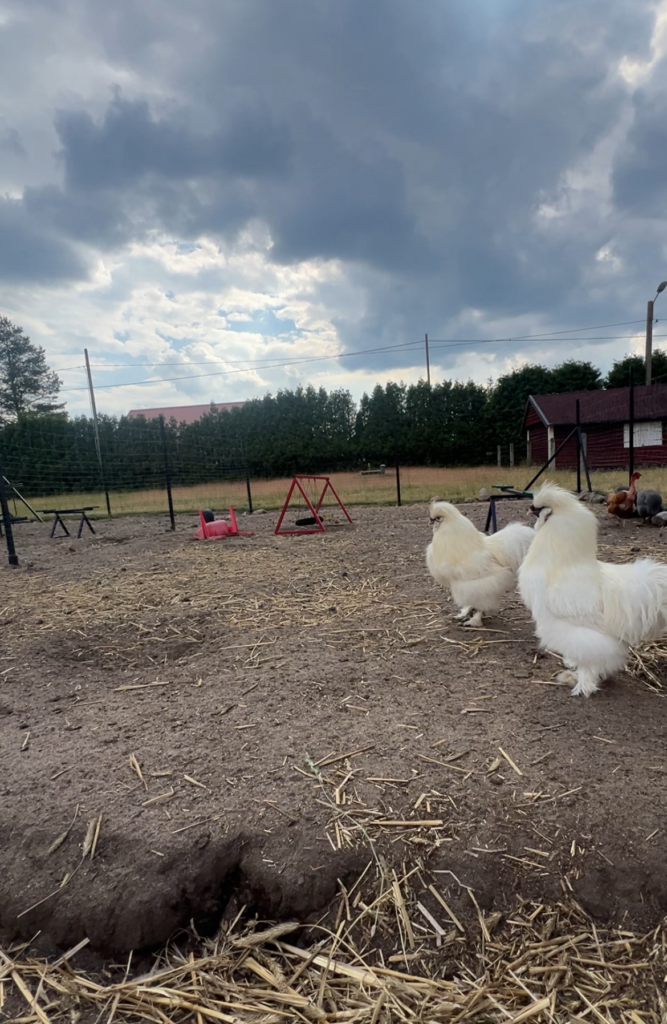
621 502
587 611
649 504
477 569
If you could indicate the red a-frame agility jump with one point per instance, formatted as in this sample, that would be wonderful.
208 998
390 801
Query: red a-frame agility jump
318 525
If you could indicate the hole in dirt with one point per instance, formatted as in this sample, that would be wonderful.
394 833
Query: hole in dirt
133 904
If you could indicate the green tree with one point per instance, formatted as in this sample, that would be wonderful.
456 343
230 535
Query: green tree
508 399
380 423
573 375
619 375
26 380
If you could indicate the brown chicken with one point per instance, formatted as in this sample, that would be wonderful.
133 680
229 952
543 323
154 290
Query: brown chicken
622 504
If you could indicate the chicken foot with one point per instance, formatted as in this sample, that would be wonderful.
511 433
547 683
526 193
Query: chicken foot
475 620
586 681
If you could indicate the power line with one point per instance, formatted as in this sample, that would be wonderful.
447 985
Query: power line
442 341
246 369
452 343
551 334
541 340
291 362
312 359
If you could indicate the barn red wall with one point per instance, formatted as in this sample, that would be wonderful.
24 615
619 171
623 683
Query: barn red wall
538 443
604 447
567 458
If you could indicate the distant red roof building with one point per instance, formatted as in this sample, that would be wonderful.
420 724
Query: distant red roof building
605 423
184 413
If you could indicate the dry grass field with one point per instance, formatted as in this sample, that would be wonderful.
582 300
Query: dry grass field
418 483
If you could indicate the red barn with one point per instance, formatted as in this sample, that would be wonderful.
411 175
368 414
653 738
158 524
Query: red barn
605 423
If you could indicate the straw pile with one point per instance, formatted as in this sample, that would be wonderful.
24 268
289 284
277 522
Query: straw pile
385 957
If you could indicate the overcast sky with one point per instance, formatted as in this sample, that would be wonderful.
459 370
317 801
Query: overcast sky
201 188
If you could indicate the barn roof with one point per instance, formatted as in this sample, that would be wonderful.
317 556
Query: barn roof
610 406
184 413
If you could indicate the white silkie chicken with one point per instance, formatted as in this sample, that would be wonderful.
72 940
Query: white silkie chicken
587 611
477 569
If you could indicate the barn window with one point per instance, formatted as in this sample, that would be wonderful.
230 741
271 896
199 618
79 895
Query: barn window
645 434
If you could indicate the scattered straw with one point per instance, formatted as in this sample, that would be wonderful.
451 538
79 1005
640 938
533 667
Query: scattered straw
649 664
510 762
542 964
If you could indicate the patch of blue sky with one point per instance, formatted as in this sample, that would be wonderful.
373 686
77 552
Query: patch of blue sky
263 321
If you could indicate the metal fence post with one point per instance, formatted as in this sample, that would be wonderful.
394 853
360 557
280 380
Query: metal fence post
12 557
579 447
167 475
247 487
631 426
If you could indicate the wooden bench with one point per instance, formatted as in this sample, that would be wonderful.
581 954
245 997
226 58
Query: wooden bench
58 513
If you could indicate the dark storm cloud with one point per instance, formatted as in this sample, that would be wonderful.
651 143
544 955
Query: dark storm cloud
640 174
11 142
415 141
130 145
132 171
29 253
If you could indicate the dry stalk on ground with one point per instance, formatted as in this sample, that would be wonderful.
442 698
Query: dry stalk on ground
387 957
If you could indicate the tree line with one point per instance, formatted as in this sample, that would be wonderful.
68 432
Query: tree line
306 430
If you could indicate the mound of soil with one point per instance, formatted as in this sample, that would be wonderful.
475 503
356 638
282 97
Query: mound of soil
190 727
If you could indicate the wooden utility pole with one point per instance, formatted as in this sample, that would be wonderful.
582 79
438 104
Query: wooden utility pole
428 364
649 331
649 339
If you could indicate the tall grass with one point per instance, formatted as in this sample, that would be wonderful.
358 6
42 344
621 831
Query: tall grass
417 484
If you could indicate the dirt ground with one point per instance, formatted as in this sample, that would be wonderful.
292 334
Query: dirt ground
188 727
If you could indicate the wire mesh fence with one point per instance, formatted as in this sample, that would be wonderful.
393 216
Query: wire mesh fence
52 460
152 467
